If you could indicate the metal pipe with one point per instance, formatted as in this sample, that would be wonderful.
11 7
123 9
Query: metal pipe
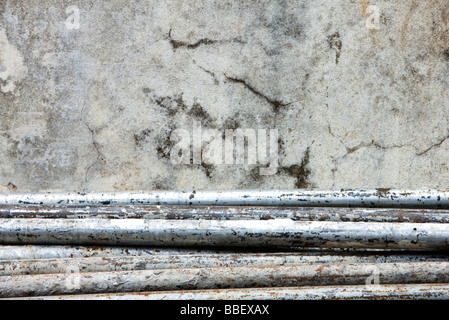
103 264
60 251
359 292
25 252
162 261
421 198
172 212
14 252
271 233
223 277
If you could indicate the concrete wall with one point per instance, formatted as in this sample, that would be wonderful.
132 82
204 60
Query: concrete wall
92 92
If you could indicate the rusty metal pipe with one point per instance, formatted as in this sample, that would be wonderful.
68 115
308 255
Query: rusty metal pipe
229 277
237 233
162 261
223 213
356 292
421 198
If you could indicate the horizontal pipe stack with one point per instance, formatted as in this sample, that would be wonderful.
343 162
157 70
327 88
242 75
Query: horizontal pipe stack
278 244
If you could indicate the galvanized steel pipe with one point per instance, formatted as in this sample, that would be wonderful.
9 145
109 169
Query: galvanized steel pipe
278 232
223 213
60 251
425 198
229 277
25 252
14 252
102 264
356 292
162 261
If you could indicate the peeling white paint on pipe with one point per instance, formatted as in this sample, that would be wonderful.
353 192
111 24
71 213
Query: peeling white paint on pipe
229 277
31 252
103 264
237 233
404 198
355 292
14 252
162 261
179 212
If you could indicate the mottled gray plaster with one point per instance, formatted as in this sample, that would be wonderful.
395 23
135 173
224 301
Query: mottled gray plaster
92 109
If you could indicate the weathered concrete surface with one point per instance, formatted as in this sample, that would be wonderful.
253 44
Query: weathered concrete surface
92 109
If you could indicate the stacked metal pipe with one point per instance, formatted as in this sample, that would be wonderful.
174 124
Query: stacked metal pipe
348 244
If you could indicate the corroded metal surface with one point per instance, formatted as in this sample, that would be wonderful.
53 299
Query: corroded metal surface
162 261
425 198
60 251
223 277
13 252
153 262
356 292
56 251
278 232
223 213
36 261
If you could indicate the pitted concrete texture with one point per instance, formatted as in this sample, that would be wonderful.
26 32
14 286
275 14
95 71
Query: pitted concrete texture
91 92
